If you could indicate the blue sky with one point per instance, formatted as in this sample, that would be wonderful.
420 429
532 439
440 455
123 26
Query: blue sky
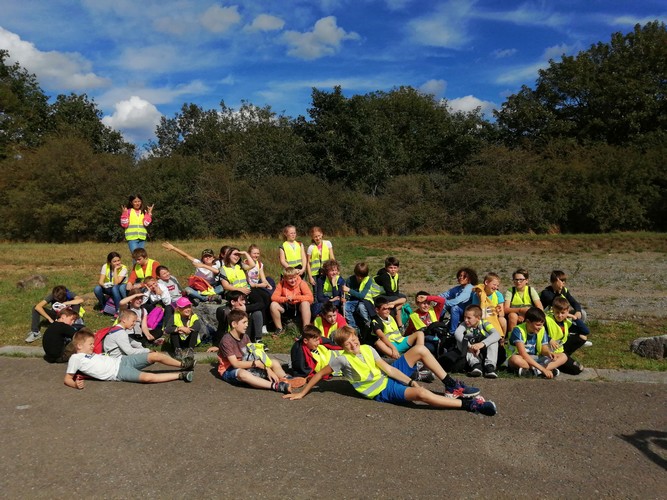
144 59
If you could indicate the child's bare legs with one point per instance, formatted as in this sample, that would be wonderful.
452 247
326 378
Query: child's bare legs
416 338
304 307
397 306
513 319
276 310
156 378
558 360
382 348
164 359
503 324
248 378
431 399
421 353
517 361
277 368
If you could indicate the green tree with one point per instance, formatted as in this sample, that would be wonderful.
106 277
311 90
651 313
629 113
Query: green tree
613 92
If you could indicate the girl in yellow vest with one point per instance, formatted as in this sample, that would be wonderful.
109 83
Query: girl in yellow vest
519 299
491 301
291 253
318 252
135 218
184 330
375 379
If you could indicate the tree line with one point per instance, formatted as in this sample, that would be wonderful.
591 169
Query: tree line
582 151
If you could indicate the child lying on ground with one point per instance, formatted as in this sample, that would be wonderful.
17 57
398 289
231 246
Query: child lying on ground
123 368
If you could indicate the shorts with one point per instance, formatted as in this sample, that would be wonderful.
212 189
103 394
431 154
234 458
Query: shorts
231 375
402 347
394 392
131 366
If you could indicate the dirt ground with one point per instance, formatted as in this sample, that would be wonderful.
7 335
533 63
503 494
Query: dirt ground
550 439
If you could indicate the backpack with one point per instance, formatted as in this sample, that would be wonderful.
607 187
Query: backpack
201 285
99 339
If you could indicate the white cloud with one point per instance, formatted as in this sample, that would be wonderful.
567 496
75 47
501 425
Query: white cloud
135 117
218 19
632 20
324 40
228 80
159 95
265 22
520 74
154 59
59 70
470 103
435 88
446 27
501 53
527 15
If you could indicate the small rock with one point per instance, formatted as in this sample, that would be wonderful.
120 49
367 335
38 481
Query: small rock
34 281
650 347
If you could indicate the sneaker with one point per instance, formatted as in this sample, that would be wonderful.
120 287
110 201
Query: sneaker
460 390
189 376
535 371
283 387
264 330
188 363
490 371
32 336
588 343
479 405
524 372
476 371
279 331
294 382
555 372
178 353
189 352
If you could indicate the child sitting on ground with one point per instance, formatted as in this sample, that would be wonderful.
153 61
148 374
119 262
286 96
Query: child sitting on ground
291 296
312 352
519 299
429 309
143 268
204 269
459 297
558 289
59 298
329 320
478 340
362 290
564 335
390 341
528 348
169 282
111 282
491 301
57 335
372 377
140 330
117 341
184 330
123 368
388 279
330 288
244 363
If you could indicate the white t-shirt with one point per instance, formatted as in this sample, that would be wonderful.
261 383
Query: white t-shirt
253 274
313 246
97 366
205 273
122 272
154 298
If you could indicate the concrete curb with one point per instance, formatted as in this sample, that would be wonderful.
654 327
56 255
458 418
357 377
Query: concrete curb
589 374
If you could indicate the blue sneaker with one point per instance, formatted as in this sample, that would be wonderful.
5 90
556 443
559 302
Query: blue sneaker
479 405
460 390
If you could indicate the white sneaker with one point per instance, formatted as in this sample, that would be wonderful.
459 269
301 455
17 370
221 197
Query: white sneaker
264 330
588 343
32 336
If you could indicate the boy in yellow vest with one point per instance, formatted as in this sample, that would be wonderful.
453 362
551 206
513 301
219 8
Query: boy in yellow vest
528 349
564 335
312 352
390 341
429 309
375 379
143 268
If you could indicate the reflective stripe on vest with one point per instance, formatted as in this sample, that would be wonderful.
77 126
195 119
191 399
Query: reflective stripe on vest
292 255
511 349
368 378
328 288
323 356
139 271
483 327
390 329
373 291
178 322
319 324
109 270
316 259
135 229
418 323
236 276
257 350
394 282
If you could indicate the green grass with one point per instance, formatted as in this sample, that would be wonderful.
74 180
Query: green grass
616 275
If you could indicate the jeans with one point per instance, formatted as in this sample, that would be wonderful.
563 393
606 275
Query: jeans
191 292
116 292
134 244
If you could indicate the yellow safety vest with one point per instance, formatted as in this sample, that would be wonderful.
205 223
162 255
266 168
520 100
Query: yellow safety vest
293 254
390 329
373 291
319 324
511 349
367 378
178 321
108 274
394 282
138 270
328 288
557 333
236 276
257 351
135 229
417 321
323 356
521 299
316 259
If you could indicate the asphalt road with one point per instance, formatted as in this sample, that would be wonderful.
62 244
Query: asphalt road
550 439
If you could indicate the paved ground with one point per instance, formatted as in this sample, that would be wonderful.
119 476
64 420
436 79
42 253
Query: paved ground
551 439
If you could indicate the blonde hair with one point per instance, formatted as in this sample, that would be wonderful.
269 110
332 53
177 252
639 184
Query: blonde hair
343 333
290 271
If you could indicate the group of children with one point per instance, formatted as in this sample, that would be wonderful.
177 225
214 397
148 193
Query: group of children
350 326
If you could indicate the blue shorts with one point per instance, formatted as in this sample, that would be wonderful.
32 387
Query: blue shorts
395 391
130 367
232 375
